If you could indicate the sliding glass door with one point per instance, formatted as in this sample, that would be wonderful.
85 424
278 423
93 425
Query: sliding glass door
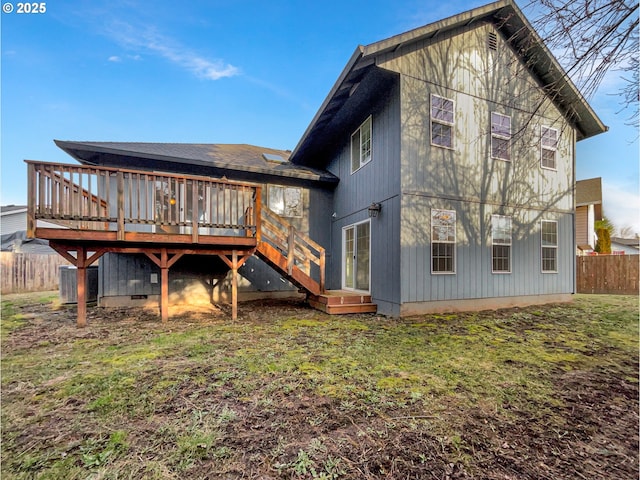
356 248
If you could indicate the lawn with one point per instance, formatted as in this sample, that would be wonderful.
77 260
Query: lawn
287 392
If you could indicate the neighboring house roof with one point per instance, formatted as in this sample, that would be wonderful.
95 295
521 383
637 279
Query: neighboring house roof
589 192
19 243
239 162
12 209
507 19
627 242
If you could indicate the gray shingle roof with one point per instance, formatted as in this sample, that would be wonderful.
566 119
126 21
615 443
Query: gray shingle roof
7 209
235 161
589 192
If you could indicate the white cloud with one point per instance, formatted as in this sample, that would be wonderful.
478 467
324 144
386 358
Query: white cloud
621 205
137 38
115 58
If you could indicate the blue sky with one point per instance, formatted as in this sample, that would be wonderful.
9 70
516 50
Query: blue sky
209 71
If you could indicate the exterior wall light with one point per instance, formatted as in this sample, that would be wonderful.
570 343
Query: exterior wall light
374 209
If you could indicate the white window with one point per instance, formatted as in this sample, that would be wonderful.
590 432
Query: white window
548 147
285 201
549 237
500 244
441 121
361 146
500 136
443 241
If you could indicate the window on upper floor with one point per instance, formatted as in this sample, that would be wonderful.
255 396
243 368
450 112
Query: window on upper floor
285 201
549 240
442 115
443 241
361 146
500 136
548 147
500 244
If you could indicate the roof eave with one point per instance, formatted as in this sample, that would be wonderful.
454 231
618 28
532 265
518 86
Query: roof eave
357 55
509 19
70 148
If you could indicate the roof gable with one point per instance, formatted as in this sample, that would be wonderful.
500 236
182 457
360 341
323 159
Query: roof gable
512 25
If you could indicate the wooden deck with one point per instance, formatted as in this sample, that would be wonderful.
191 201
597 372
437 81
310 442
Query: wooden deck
336 302
95 210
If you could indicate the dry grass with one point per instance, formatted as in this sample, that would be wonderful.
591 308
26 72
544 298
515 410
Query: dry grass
288 392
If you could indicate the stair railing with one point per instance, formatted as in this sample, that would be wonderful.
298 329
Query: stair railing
299 249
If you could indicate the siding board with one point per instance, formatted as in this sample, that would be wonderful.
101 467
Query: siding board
378 181
466 178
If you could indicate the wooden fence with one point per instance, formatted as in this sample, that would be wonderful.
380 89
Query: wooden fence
29 272
608 274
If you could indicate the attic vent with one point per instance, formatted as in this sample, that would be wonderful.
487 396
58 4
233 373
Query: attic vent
273 158
492 41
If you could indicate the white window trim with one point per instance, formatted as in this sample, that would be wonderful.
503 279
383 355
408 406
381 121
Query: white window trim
501 137
359 131
542 246
442 122
510 245
344 233
554 149
454 242
284 189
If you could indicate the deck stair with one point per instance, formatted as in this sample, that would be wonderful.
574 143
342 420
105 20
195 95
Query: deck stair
302 262
340 301
291 253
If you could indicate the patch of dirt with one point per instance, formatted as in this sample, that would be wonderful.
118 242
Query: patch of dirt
597 437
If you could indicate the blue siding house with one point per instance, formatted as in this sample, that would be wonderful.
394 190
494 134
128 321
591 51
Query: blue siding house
438 174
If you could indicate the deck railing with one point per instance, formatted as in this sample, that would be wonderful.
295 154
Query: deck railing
109 199
298 248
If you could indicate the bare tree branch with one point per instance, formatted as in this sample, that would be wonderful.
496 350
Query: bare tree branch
591 39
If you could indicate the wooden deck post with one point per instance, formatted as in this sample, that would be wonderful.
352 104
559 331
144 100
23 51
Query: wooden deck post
234 285
195 204
81 286
257 212
164 285
120 206
31 204
322 269
290 249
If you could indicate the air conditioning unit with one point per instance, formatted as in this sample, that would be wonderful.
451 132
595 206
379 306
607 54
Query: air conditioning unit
68 289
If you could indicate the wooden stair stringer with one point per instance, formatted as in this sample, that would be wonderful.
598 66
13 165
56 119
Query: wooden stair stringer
279 262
